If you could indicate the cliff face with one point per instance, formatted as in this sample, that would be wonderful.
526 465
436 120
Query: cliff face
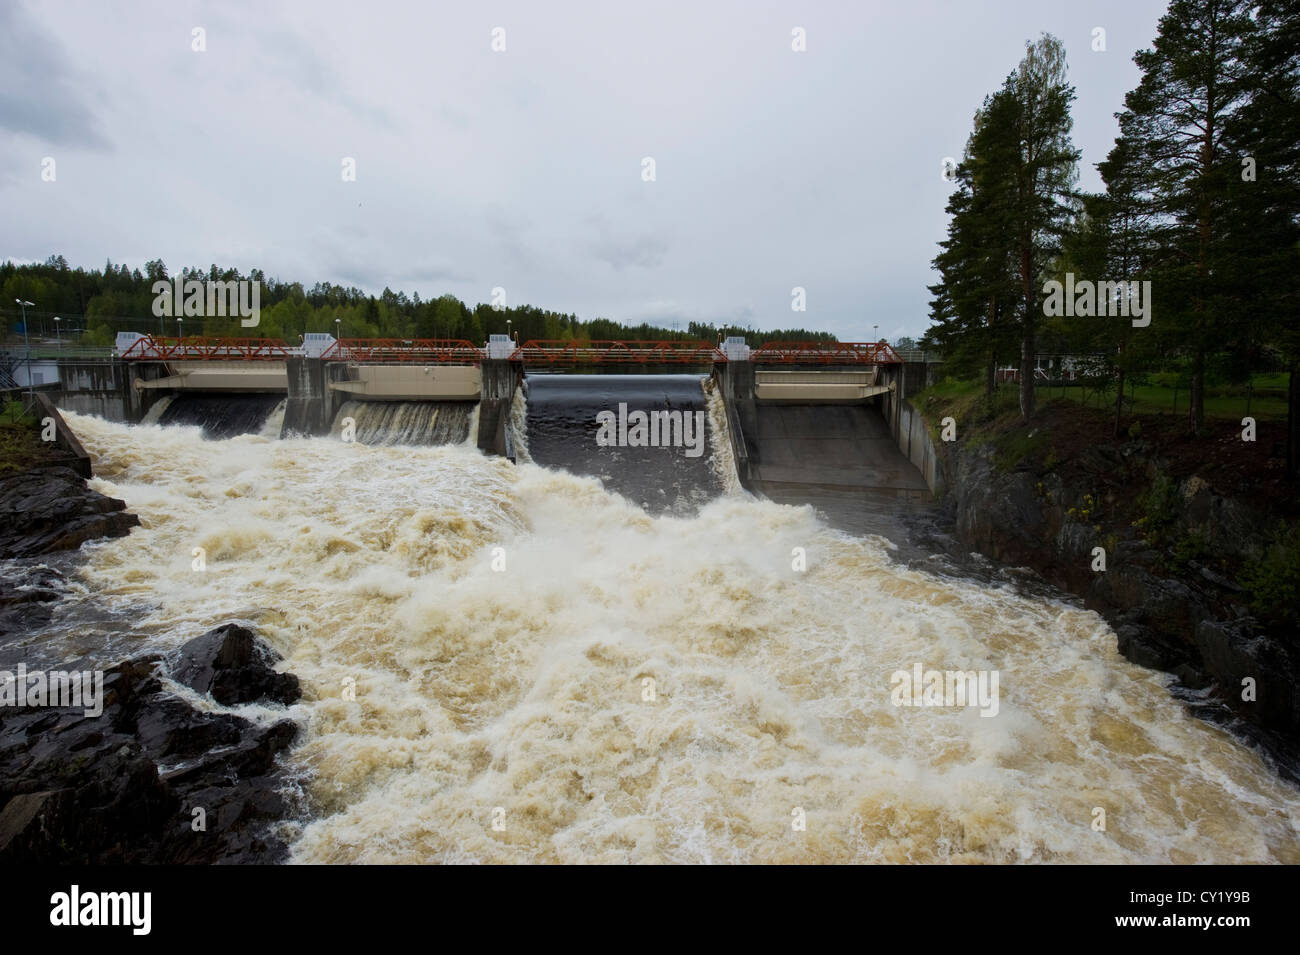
1174 549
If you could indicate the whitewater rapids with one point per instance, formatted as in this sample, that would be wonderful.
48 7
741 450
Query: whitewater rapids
504 715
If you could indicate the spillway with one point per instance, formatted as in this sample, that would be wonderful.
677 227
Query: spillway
412 423
675 474
841 459
219 415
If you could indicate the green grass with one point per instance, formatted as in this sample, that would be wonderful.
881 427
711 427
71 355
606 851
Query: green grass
20 447
1023 445
951 388
12 413
1266 404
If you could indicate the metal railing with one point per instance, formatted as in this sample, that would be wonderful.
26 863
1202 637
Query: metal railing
825 353
396 350
544 351
156 348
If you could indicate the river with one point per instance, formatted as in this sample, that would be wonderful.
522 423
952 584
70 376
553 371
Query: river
514 663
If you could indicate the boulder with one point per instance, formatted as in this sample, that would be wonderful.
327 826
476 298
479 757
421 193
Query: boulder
235 666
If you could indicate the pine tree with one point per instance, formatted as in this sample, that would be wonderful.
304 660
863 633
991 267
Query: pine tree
1045 171
1175 124
1263 230
1013 206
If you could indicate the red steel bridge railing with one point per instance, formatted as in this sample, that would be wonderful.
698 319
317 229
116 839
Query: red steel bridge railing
617 352
825 353
540 351
197 348
414 351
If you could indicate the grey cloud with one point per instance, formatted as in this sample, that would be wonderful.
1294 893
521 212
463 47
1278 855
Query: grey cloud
624 250
39 89
289 55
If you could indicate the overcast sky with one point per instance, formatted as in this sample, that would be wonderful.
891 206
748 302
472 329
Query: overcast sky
523 169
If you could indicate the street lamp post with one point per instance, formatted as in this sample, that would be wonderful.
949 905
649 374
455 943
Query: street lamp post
58 337
338 328
874 329
27 347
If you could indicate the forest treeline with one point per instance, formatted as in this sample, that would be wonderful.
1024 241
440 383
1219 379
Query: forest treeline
1201 200
119 298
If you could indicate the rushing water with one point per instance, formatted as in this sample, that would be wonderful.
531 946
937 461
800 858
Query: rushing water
221 416
563 429
408 422
520 697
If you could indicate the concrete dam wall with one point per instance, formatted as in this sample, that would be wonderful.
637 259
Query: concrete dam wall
859 462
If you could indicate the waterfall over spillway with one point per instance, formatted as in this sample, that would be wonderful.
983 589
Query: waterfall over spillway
407 422
655 448
220 415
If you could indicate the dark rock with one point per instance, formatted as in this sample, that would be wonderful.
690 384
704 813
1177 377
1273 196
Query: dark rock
1146 647
122 787
27 596
1236 651
1167 605
235 666
52 509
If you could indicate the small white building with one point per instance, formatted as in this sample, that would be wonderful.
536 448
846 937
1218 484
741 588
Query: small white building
315 344
735 348
500 346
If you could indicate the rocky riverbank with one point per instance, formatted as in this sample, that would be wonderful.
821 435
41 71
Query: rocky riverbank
155 777
51 509
1181 547
151 773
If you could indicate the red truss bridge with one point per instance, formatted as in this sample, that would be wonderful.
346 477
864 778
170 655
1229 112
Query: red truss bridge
459 351
551 352
825 353
159 348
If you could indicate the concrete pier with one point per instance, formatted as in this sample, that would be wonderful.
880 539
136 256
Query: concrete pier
500 379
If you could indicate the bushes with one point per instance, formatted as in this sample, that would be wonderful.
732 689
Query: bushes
1159 510
1274 581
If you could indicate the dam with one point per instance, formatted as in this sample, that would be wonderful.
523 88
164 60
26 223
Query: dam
806 422
546 650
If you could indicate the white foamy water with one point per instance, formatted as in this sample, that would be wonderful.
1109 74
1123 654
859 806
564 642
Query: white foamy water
520 697
721 455
274 421
518 425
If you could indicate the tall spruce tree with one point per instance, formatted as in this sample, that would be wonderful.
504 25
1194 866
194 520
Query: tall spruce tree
1013 207
1263 230
975 300
1174 128
1045 171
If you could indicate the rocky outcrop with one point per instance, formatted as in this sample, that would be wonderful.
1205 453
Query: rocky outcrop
27 596
235 667
1170 612
152 779
51 509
